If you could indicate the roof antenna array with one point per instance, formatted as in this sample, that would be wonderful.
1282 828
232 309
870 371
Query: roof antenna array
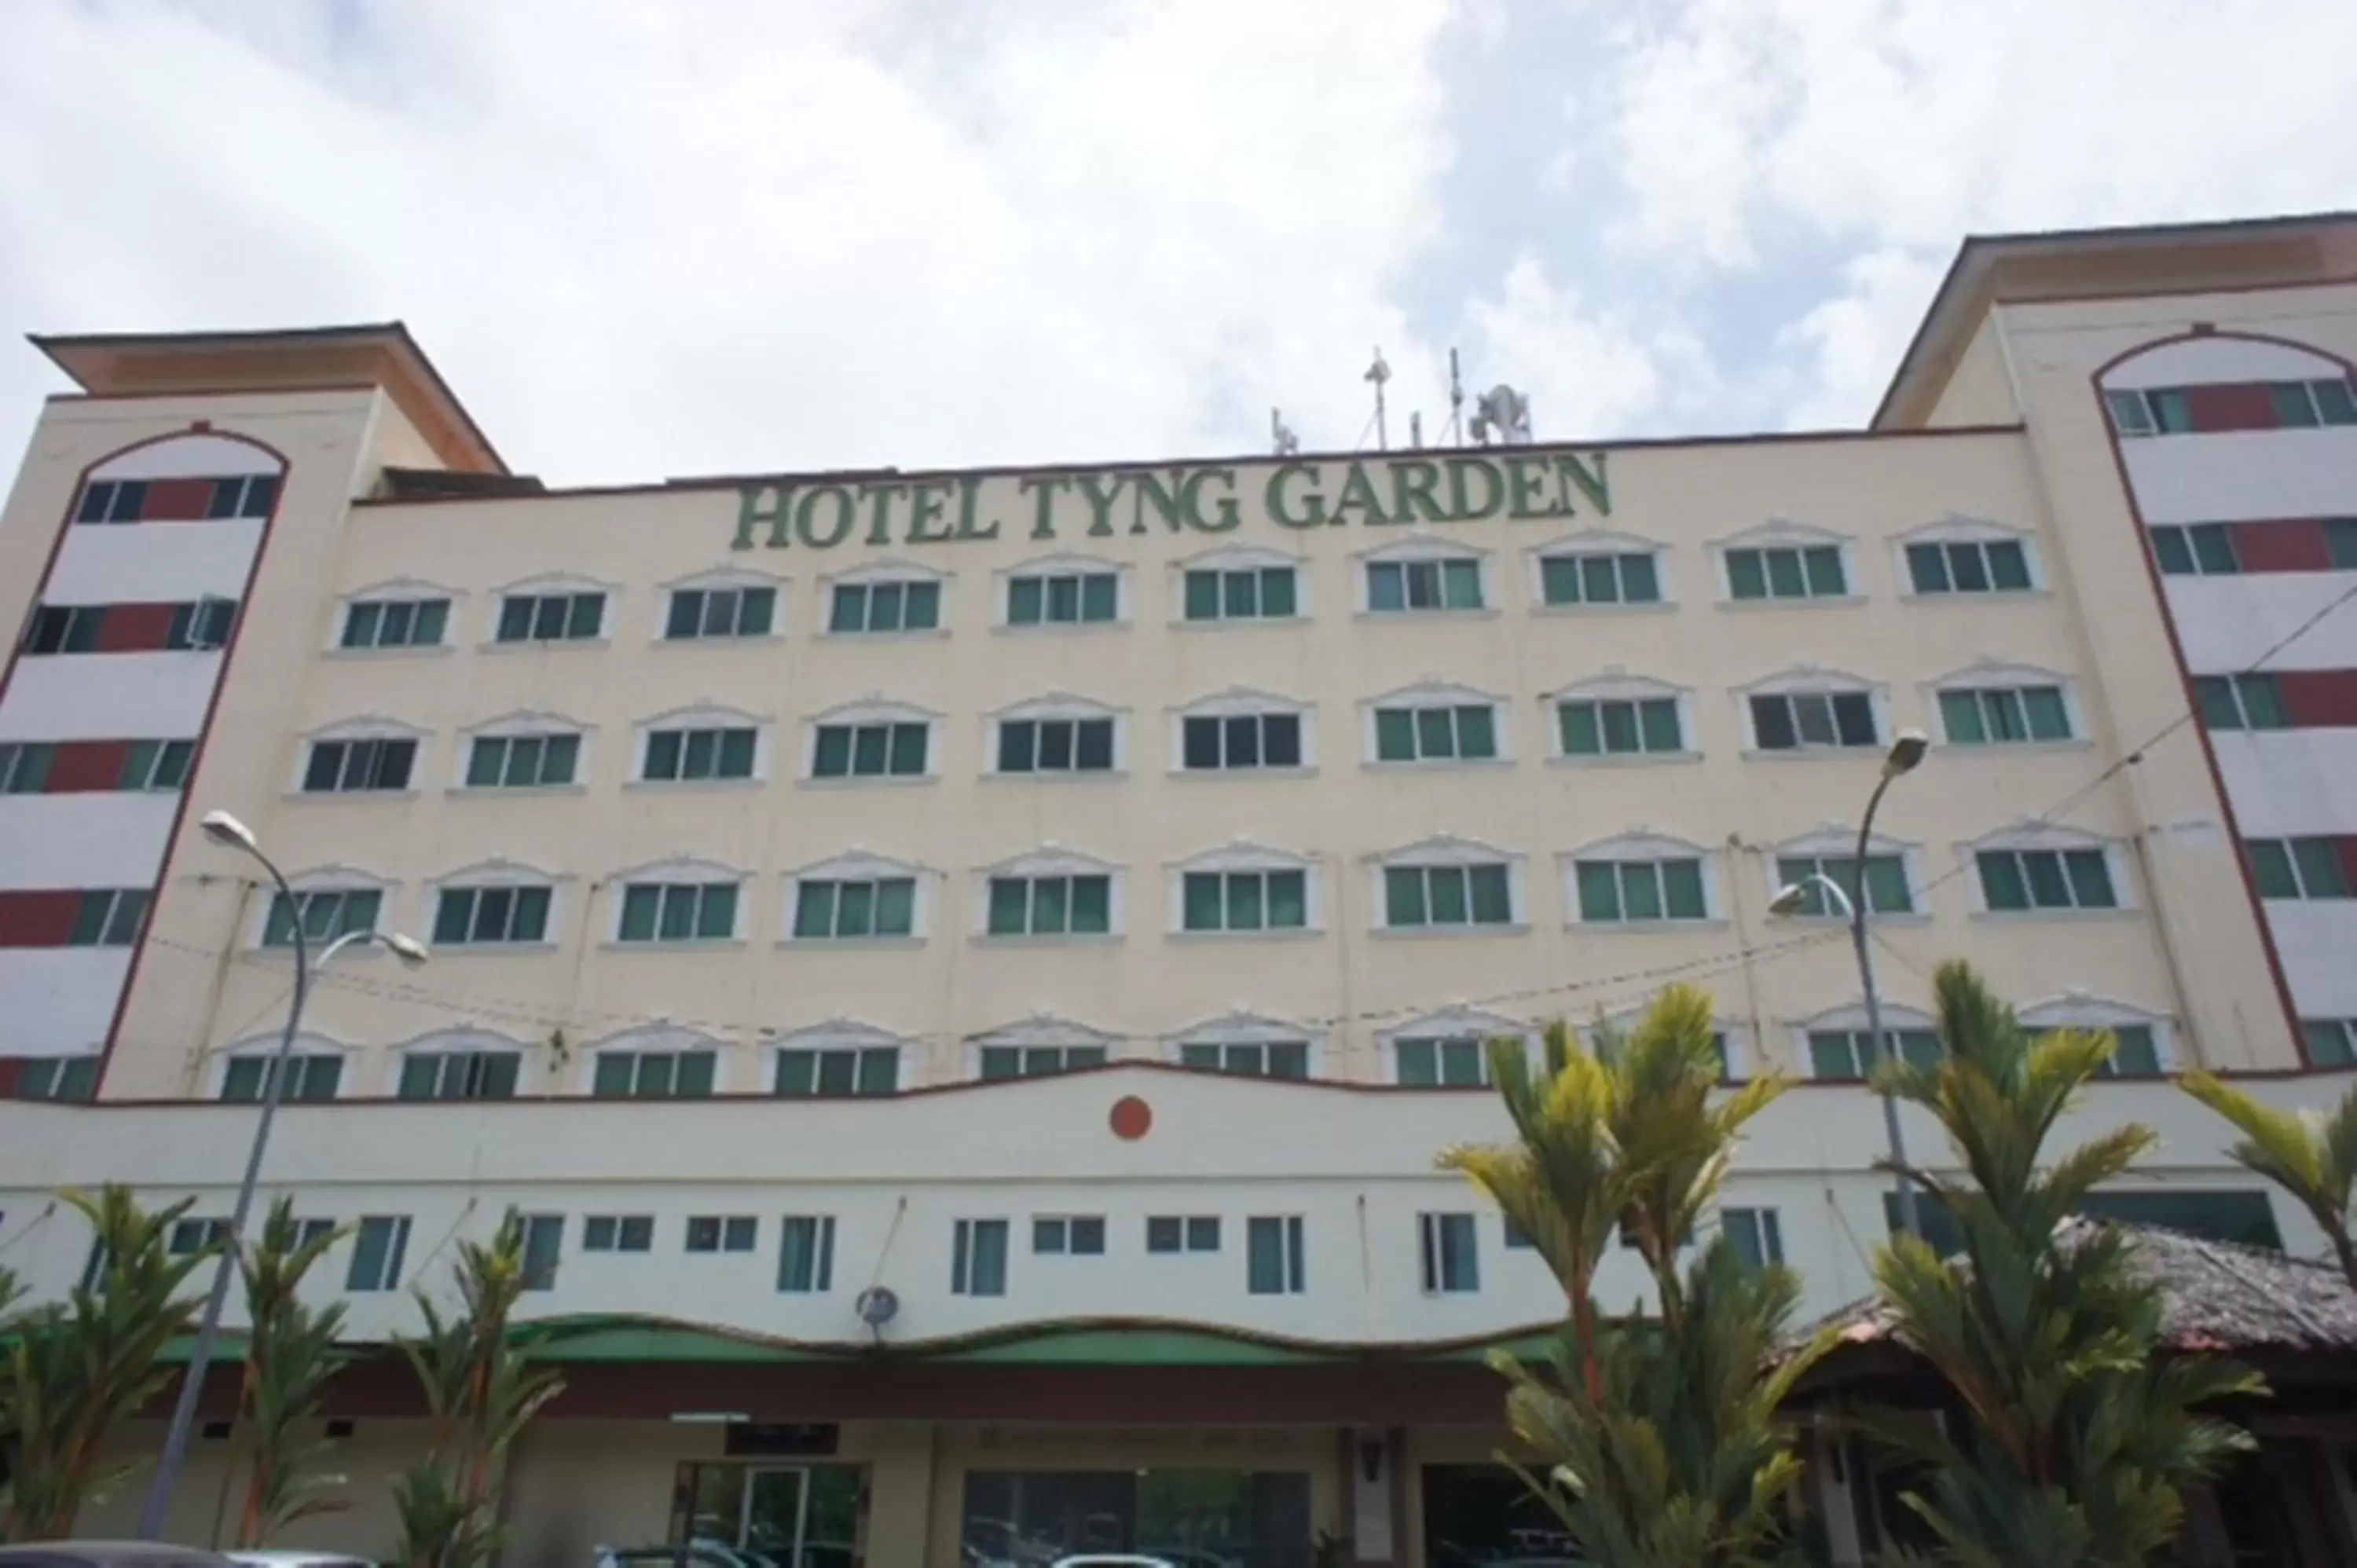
1288 443
1379 373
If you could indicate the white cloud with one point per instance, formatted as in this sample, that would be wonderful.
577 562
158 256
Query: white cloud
1589 372
645 239
1852 341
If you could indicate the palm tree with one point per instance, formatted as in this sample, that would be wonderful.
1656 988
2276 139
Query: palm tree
2312 1154
75 1372
1658 1437
481 1391
2079 1433
290 1356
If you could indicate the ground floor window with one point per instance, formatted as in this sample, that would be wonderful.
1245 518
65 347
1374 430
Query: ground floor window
1253 1518
784 1516
1476 1515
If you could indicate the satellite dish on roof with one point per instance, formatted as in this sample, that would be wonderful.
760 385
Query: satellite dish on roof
1502 416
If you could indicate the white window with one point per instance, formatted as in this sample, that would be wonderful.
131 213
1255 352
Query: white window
525 751
315 1070
806 1254
416 618
1941 568
721 607
555 609
2299 869
503 915
700 746
1050 896
1891 875
884 601
330 901
1620 717
654 1063
1434 724
1275 1259
1757 1235
1423 577
1068 1235
1241 731
2001 706
871 741
2045 870
1599 569
364 758
1041 1047
459 1066
676 901
1448 1050
618 1232
1245 1046
1250 586
1448 884
1244 889
722 1232
834 1059
1067 591
858 897
1058 736
2141 1039
1451 1253
1808 710
379 1241
1839 1047
1640 879
1781 562
1178 1233
978 1258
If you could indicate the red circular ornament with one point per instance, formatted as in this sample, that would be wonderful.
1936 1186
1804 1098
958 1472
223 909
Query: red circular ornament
1132 1118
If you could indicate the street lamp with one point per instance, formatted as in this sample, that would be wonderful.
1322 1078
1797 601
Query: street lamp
229 832
1905 753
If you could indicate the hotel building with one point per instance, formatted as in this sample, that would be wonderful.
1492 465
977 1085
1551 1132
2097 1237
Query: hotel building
965 974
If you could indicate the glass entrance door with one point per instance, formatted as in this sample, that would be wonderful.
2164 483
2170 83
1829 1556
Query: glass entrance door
775 1516
770 1527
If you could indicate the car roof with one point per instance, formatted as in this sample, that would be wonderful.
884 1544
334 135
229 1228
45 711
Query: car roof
105 1553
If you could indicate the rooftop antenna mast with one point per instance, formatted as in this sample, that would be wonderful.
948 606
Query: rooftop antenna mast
1456 403
1286 442
1379 373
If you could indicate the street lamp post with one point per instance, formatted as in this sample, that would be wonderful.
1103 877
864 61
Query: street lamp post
227 831
1905 752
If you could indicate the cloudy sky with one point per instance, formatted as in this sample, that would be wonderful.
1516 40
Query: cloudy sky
646 238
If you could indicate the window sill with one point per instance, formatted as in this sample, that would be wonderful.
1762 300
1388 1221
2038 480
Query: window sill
1482 612
554 644
1816 754
1645 927
868 781
1062 776
1087 939
490 950
1238 623
1811 602
1622 758
846 944
2012 747
1215 775
2031 916
736 639
1645 608
500 792
1449 933
922 634
1282 934
1993 597
325 796
1442 765
691 944
1060 628
691 786
1835 922
399 651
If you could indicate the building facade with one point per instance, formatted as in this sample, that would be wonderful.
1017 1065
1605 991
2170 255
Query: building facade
966 974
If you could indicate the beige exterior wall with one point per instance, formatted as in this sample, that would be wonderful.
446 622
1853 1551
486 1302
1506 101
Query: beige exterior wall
368 1463
1979 391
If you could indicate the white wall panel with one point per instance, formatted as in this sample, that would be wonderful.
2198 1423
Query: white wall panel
2316 941
57 1001
154 562
2290 782
109 839
188 458
2236 476
2197 361
109 696
2226 623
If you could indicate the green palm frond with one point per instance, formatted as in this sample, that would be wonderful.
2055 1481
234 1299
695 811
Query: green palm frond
2311 1155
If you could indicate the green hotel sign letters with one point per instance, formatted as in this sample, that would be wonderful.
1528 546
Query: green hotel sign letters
1211 499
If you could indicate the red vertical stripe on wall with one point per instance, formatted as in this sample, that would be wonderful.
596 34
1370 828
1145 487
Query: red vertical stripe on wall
2346 848
132 629
2318 699
82 766
2245 406
42 919
177 500
8 1068
2295 544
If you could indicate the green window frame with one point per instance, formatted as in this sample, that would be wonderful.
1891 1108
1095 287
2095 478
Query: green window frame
395 623
1064 598
1245 593
1241 902
551 617
998 1063
2251 701
1440 1061
24 767
108 918
1969 566
2136 1051
1056 745
1239 743
1275 1256
1755 1235
1613 726
881 608
1763 573
699 754
1437 732
1815 721
978 1258
482 917
313 1077
458 1075
1435 898
2015 881
327 913
1888 889
2195 550
1600 577
1072 905
855 909
2004 715
1450 1249
1406 587
375 763
806 1254
157 767
804 1071
705 615
1248 1059
678 912
1661 891
1847 1055
2331 1042
885 749
654 1075
380 1243
2307 868
540 761
57 1077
